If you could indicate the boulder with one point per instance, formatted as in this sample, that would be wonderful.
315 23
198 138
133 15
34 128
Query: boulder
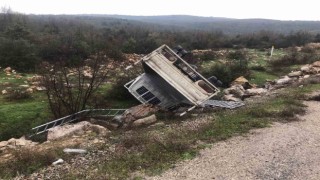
3 144
243 82
7 70
78 128
306 69
316 64
20 142
145 121
4 92
236 90
295 74
230 97
140 111
284 80
306 76
102 131
255 91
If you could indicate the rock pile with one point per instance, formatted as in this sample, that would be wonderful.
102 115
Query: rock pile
305 72
240 89
16 143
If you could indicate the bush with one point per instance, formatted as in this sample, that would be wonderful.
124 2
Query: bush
18 94
208 56
118 91
235 66
238 55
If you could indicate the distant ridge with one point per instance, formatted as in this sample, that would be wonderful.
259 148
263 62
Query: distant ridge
227 25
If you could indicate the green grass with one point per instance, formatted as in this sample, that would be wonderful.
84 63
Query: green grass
260 77
17 118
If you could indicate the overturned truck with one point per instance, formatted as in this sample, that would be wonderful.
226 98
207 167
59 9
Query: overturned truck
169 81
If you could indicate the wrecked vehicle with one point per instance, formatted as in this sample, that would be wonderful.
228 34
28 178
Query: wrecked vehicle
169 81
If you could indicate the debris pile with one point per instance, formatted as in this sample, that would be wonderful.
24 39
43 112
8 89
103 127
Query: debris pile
241 89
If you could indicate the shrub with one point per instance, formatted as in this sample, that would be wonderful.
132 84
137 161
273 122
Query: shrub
236 65
18 94
208 56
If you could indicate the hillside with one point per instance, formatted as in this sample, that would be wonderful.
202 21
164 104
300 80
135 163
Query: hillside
227 25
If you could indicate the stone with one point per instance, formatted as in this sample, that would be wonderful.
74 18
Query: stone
76 129
305 69
236 90
59 161
7 70
140 111
284 80
316 64
3 144
24 85
256 91
306 76
4 92
295 74
230 97
102 131
29 90
145 121
67 130
243 82
40 88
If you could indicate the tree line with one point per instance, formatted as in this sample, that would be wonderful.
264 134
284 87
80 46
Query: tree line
27 40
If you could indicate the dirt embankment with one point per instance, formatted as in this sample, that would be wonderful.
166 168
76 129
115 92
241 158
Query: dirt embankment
283 151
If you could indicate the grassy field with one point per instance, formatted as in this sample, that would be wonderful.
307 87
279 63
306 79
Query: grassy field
142 150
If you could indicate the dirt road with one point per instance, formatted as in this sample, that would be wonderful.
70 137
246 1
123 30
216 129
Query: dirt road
283 151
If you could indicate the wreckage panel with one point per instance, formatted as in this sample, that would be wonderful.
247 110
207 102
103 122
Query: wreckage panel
151 82
194 93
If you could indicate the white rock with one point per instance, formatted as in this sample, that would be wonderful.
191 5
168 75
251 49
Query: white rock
295 74
305 68
306 76
68 150
24 85
4 92
256 91
284 80
59 161
230 97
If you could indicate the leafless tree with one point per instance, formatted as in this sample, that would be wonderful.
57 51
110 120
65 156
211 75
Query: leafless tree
69 89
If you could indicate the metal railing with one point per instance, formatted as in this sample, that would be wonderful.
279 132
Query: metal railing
76 116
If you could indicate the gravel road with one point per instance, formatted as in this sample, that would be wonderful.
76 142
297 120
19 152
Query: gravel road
282 151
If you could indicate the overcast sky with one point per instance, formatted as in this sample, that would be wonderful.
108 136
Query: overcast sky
268 9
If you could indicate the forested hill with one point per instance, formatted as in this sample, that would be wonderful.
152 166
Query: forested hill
226 25
26 40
